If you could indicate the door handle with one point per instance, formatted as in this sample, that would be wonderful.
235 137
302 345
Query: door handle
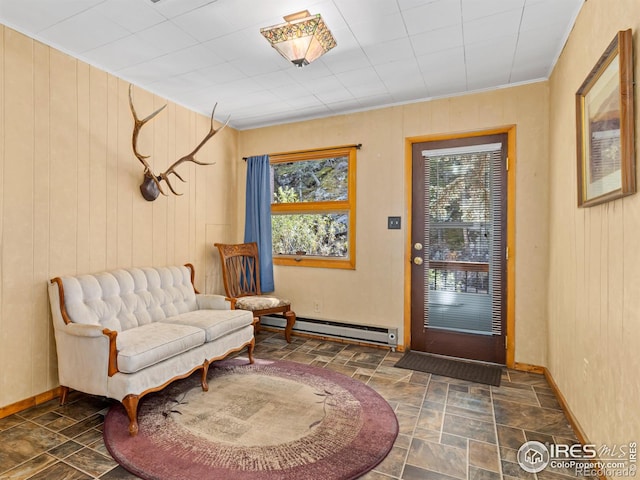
417 260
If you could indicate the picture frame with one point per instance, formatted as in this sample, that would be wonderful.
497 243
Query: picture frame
605 126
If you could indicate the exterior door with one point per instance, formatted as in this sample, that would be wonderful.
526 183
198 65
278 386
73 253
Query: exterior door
458 272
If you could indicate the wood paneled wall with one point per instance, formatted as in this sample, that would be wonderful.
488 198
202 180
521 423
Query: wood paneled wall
594 264
70 201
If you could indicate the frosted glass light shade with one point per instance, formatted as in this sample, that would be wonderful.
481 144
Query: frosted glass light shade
301 39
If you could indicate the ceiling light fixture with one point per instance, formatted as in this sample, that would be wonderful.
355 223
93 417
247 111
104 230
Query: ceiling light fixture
302 39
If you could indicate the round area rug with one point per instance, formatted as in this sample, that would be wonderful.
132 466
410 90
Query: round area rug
271 420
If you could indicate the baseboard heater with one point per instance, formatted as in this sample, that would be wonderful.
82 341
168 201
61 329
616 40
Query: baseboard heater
347 331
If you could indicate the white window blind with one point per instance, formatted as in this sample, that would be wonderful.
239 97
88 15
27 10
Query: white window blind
463 248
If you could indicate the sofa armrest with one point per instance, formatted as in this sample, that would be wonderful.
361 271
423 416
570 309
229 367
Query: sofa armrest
213 302
95 332
83 330
85 357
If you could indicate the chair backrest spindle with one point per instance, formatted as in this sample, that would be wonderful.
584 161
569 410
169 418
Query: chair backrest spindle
240 269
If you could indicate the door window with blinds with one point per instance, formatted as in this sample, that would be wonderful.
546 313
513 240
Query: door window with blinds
464 250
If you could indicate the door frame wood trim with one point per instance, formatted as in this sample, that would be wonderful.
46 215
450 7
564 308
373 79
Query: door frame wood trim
510 130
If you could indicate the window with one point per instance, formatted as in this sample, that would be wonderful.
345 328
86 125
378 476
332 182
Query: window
313 208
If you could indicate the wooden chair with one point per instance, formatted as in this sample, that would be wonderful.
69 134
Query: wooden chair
241 276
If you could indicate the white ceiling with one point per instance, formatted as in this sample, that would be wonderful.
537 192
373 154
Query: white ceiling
199 52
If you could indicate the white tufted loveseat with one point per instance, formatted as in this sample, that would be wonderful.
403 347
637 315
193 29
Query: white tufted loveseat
125 333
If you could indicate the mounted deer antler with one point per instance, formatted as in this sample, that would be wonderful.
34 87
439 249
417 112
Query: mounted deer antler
150 186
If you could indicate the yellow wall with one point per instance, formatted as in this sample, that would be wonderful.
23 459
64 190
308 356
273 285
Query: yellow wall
594 281
69 200
374 292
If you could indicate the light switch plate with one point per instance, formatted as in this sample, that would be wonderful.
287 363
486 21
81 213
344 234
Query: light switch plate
393 223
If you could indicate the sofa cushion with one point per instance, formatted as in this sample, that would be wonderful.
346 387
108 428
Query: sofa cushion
149 344
215 323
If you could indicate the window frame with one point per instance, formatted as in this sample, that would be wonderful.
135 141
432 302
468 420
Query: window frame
331 206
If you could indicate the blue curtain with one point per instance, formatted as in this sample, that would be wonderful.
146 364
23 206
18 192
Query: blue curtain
257 227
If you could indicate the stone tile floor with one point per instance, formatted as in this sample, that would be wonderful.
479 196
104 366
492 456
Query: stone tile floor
449 429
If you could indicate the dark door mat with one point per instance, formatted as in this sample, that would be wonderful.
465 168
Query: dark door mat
461 369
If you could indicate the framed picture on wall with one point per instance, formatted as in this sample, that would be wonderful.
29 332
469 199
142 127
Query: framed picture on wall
605 126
